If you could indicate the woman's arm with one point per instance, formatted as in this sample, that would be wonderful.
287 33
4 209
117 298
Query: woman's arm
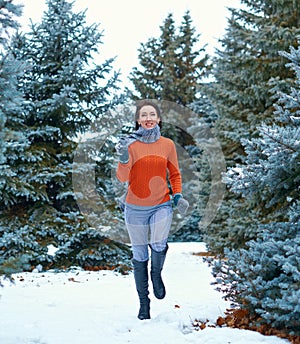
176 183
174 172
123 171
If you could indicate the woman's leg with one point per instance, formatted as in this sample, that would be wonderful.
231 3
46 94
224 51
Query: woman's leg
160 226
140 252
137 226
140 272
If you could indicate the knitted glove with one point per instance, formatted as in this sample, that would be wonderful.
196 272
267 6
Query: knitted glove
122 150
181 204
122 147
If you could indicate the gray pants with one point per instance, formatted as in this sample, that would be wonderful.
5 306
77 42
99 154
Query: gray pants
150 226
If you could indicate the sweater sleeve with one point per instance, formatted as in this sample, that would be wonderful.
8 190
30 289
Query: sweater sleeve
174 172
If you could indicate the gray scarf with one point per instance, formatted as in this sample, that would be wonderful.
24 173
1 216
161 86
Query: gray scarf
147 135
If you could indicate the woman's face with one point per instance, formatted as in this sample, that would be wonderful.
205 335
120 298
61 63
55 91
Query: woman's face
148 117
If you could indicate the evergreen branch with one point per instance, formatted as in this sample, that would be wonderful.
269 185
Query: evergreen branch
278 141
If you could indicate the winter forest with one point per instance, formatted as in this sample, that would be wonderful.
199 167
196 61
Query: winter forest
245 99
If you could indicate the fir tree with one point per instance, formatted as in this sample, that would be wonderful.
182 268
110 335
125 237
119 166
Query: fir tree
249 72
249 65
171 67
10 137
64 91
265 277
9 70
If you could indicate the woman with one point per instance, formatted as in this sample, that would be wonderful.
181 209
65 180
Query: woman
147 161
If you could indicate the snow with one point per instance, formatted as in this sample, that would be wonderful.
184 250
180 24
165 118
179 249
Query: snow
83 307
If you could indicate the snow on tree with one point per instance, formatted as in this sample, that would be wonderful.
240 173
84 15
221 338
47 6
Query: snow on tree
265 276
64 91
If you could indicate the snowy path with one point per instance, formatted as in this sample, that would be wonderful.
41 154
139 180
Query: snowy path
81 307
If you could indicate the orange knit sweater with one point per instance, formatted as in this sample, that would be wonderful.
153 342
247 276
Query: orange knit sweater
147 170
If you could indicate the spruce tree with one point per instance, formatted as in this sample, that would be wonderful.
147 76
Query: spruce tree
265 277
10 98
249 72
249 66
64 91
10 106
171 65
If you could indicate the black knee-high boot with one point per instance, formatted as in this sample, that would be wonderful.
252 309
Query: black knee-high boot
140 271
157 263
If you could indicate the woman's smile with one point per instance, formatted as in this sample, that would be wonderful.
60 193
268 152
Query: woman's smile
150 124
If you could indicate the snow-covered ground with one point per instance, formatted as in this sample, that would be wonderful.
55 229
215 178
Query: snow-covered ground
82 307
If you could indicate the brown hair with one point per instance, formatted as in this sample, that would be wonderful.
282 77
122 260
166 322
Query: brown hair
142 103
